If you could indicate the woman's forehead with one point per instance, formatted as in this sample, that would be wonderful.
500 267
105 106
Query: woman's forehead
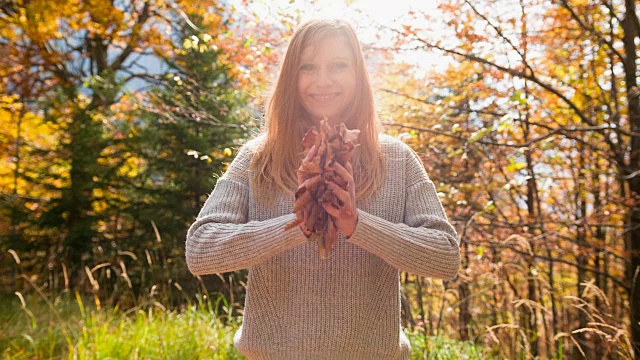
334 46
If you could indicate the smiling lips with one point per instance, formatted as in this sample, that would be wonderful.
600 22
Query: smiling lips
322 97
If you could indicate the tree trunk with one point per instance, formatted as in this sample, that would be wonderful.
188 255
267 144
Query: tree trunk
630 26
465 300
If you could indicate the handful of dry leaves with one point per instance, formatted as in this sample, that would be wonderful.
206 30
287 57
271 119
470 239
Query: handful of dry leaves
333 145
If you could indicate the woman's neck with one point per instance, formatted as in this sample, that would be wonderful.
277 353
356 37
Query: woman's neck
332 121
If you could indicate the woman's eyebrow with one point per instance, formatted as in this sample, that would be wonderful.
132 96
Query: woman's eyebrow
334 58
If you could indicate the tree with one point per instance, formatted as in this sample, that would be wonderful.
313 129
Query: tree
69 64
547 79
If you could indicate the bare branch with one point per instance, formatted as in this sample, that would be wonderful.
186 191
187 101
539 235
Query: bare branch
591 30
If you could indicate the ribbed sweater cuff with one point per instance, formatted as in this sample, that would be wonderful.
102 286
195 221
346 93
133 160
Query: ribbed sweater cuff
419 250
223 247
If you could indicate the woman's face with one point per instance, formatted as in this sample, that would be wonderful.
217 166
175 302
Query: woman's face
327 78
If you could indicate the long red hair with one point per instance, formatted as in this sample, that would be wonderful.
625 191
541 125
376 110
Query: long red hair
279 154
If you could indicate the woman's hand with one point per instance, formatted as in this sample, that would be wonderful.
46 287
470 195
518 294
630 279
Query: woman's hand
302 203
345 216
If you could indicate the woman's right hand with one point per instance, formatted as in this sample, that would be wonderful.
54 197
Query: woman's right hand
303 201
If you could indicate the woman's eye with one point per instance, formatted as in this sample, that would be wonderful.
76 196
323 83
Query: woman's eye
341 66
306 67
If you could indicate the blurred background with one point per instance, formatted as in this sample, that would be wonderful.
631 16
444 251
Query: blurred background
117 117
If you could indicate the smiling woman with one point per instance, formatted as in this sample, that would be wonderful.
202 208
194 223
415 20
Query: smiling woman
346 306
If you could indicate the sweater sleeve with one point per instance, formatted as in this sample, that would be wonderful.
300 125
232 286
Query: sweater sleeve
222 240
425 244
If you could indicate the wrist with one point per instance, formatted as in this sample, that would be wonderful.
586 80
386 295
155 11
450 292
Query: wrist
354 227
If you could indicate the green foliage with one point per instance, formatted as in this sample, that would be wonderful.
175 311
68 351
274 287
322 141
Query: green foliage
120 173
74 328
441 348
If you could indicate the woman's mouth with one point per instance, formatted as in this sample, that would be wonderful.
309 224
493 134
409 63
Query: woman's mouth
324 98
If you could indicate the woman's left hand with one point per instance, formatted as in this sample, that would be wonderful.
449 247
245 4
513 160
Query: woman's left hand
345 216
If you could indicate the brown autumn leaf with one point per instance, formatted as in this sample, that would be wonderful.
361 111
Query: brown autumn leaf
334 145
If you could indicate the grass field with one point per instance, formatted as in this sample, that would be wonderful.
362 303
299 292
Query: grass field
71 327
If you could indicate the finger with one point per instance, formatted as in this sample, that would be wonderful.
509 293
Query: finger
300 213
349 168
344 174
300 175
305 230
303 176
308 183
298 221
332 210
341 193
312 152
302 225
312 181
302 201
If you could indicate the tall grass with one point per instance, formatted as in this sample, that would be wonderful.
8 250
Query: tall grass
73 328
38 323
66 328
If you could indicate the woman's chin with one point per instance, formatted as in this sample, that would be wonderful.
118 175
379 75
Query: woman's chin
331 116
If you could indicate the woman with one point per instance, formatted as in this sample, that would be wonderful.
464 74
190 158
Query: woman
297 305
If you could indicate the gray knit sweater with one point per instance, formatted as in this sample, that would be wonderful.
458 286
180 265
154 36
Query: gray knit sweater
344 307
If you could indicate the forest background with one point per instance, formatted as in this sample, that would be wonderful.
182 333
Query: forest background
116 117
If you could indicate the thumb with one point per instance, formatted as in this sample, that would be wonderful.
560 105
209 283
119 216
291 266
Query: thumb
332 210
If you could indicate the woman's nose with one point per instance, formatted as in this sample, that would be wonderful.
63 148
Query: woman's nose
324 78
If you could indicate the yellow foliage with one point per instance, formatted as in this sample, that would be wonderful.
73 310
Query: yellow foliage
131 167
